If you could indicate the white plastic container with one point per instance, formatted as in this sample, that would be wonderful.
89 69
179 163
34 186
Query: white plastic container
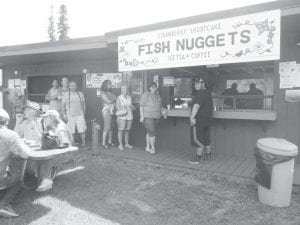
280 192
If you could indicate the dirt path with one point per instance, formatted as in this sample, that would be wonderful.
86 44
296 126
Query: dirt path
112 191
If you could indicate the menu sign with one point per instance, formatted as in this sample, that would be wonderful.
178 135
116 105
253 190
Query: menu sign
254 37
95 80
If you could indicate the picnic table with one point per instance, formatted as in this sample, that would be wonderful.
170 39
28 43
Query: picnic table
38 154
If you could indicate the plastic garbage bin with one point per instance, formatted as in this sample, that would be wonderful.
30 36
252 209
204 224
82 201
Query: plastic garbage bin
282 171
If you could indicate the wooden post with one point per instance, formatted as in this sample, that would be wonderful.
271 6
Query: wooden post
95 136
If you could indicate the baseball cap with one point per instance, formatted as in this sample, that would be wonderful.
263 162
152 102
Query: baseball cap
33 105
4 115
51 112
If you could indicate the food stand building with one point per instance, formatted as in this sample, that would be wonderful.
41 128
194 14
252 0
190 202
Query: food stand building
244 45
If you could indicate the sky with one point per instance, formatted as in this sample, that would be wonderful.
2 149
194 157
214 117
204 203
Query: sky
25 22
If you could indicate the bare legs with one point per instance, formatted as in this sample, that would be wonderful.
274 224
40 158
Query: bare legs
147 143
120 139
104 136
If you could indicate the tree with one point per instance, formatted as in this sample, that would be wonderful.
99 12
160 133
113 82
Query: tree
51 29
62 25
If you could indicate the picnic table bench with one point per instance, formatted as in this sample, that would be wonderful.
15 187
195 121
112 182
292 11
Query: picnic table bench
38 154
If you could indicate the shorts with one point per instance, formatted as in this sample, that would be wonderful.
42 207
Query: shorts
76 122
150 124
124 124
200 135
108 121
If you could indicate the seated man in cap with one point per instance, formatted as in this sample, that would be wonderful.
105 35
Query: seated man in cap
12 148
31 129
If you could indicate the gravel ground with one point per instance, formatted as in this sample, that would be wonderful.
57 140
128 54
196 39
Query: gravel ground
112 191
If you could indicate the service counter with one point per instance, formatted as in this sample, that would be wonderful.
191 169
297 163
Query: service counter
230 114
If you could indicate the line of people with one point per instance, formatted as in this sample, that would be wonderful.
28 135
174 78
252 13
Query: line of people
151 111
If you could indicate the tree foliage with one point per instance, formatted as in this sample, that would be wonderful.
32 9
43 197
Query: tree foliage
62 25
51 28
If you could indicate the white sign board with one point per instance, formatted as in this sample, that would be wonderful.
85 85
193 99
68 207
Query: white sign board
95 80
287 72
254 37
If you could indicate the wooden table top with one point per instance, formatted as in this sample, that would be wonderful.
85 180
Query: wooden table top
39 154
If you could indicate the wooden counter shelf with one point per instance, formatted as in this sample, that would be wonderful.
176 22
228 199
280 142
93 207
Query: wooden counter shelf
266 115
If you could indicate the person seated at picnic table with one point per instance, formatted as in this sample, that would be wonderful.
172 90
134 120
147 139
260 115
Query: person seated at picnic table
12 150
56 127
31 129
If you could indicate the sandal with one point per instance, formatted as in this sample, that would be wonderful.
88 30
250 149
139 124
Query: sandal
112 145
105 147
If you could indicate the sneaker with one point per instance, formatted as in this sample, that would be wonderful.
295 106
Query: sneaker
147 149
8 211
128 146
121 148
193 162
45 185
152 151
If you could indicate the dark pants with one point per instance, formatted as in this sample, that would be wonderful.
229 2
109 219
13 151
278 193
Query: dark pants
200 135
11 184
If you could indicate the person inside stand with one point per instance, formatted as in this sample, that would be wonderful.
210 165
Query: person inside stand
12 150
74 108
31 129
201 120
254 103
108 111
53 96
232 91
150 114
124 119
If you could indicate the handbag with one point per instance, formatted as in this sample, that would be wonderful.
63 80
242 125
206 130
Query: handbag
48 141
123 111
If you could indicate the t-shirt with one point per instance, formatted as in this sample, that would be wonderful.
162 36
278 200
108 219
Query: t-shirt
10 143
125 103
205 112
74 103
55 103
151 103
31 130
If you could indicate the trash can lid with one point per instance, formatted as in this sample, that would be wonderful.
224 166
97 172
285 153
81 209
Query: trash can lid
277 146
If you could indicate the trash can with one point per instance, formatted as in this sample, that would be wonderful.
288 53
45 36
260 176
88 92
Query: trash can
277 156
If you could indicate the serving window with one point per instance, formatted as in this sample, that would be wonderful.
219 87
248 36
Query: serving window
240 91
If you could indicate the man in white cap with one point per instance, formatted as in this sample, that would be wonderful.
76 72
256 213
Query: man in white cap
31 129
12 149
